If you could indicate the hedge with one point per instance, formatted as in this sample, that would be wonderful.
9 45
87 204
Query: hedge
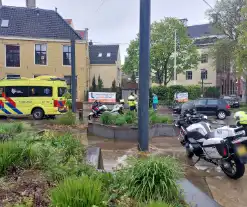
166 94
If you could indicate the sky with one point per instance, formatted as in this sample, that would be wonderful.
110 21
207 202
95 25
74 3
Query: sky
117 21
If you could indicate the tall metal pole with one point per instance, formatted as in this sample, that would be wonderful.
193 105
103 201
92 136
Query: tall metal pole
175 58
144 75
73 76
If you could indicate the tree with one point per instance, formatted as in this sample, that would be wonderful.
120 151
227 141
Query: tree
133 77
241 51
226 17
113 86
94 86
162 51
100 83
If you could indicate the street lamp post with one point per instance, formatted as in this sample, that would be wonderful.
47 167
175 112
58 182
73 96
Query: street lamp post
144 74
202 78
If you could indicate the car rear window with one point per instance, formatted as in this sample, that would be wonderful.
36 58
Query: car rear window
62 91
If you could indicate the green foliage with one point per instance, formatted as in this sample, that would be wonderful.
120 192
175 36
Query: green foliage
154 118
68 99
78 192
240 51
194 91
133 77
120 121
228 18
212 92
94 85
11 154
162 49
11 128
100 84
130 117
68 118
107 118
151 179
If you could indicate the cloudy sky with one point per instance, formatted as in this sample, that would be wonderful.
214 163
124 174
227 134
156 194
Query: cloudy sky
117 21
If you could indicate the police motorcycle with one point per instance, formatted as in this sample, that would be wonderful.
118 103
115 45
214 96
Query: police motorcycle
99 109
225 146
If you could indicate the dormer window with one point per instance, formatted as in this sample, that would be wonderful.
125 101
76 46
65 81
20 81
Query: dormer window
5 23
100 55
108 54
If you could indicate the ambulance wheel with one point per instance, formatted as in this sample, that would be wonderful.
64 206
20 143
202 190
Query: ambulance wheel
38 114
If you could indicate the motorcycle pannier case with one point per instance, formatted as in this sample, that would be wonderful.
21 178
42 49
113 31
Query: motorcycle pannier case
215 148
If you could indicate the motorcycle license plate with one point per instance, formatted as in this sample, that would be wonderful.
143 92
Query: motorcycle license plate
242 150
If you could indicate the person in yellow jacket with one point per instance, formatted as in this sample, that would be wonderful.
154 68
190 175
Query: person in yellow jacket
132 102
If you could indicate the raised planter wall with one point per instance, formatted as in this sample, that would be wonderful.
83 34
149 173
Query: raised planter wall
129 133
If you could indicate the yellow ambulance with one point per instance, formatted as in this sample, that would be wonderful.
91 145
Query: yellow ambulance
41 96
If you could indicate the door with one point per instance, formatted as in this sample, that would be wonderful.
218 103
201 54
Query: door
212 105
16 100
200 105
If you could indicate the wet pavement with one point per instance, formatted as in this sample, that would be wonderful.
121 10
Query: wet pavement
205 176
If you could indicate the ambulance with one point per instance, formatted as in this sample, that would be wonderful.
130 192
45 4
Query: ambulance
40 97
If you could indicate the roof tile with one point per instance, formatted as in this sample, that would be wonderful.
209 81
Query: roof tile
35 23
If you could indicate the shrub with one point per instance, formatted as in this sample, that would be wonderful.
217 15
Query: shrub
120 121
78 192
130 117
11 128
68 118
11 154
153 178
107 118
154 118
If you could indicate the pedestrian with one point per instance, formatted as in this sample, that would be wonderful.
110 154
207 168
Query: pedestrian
155 102
132 102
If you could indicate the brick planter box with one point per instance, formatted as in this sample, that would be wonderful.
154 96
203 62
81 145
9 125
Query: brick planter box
129 133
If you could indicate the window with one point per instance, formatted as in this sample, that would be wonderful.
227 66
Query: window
200 102
108 54
100 55
40 91
12 76
188 75
5 23
62 91
204 74
16 91
12 56
212 102
66 55
204 58
40 54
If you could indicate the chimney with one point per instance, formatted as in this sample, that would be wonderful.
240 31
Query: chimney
31 4
90 43
1 3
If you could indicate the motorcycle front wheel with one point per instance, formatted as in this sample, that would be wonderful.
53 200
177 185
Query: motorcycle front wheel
233 167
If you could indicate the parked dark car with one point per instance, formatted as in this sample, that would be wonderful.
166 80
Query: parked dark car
232 101
210 107
176 108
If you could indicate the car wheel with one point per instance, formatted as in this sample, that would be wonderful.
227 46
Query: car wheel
221 115
38 114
